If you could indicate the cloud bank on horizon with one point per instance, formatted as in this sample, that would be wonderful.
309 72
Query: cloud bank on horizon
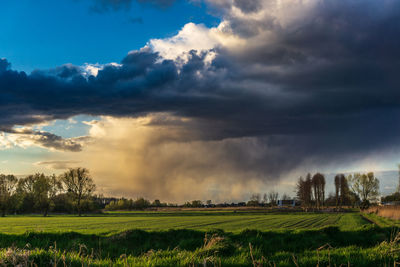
278 87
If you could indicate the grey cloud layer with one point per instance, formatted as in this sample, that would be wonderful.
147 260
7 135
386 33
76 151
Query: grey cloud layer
46 139
329 80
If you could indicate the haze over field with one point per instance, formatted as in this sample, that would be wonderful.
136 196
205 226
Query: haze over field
201 99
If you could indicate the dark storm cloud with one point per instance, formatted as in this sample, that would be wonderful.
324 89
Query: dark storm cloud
248 6
326 84
4 64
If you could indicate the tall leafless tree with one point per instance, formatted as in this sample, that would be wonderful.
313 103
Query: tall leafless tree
273 197
318 184
344 190
304 190
337 189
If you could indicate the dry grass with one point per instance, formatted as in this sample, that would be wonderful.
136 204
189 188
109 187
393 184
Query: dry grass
391 212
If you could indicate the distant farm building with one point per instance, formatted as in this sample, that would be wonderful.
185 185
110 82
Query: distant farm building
286 203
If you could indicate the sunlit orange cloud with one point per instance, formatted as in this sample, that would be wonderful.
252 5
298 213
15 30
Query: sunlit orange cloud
131 157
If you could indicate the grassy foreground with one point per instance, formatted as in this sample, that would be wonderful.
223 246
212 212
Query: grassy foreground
191 239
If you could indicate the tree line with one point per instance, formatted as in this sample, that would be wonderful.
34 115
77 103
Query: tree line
138 204
352 190
73 192
355 189
70 192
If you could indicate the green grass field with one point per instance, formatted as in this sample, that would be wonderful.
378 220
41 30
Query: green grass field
228 221
199 238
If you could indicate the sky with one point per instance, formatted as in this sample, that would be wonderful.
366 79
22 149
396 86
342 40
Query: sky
226 97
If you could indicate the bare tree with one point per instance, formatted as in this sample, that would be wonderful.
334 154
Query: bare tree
273 197
308 190
314 183
301 192
265 199
255 200
285 197
304 190
322 188
337 189
318 184
79 183
344 190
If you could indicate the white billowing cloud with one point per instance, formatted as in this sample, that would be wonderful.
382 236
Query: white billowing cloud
5 142
190 37
238 31
194 37
93 69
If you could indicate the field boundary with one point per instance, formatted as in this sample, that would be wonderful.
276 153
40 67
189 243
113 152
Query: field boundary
369 220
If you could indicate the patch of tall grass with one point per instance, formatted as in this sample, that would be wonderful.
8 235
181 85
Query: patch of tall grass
367 246
391 212
214 252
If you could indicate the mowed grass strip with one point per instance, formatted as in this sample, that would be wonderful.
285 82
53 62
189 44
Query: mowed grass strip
381 221
111 224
